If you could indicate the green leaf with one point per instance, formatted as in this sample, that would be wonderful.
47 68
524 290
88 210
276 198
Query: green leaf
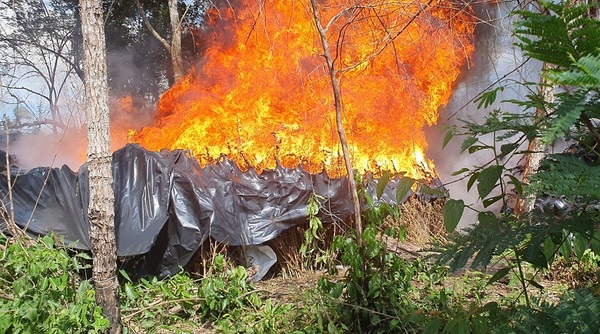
580 245
447 137
586 73
129 292
507 148
472 180
487 179
565 247
337 290
125 275
433 326
536 284
567 175
489 201
468 142
476 148
460 171
534 254
488 98
84 256
499 275
517 184
427 190
453 210
567 112
404 186
549 248
487 217
596 242
382 183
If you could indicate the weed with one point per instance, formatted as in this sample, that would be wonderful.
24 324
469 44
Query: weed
41 291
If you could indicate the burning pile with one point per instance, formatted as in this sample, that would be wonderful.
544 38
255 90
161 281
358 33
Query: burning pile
262 91
261 96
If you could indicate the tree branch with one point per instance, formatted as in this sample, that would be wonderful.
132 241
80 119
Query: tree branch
148 25
37 123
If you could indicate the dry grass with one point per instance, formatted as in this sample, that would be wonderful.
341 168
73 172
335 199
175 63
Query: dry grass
199 264
290 263
423 223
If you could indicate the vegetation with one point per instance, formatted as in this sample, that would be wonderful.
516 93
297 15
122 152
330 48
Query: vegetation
42 292
565 37
545 277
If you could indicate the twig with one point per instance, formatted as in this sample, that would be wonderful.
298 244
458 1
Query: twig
7 297
156 304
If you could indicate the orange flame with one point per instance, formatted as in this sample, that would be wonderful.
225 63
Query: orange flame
262 92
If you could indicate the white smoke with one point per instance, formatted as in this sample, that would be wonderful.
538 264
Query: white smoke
496 59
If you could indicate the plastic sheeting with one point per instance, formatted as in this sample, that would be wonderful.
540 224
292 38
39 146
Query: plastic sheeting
166 205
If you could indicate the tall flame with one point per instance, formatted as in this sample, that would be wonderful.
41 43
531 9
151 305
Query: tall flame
262 92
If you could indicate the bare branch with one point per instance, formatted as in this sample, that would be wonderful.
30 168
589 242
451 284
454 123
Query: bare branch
148 25
37 123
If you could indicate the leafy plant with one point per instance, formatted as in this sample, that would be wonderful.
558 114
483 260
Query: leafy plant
224 291
376 287
567 38
576 312
313 251
151 304
41 292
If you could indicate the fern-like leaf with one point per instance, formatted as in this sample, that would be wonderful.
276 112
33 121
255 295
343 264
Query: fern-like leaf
567 112
558 36
576 312
567 175
585 73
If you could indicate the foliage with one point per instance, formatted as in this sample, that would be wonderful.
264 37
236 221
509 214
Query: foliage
150 304
222 298
569 176
41 292
313 251
568 39
378 292
376 286
576 312
224 291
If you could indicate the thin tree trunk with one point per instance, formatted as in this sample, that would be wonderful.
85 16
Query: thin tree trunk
536 148
176 53
101 206
335 83
174 48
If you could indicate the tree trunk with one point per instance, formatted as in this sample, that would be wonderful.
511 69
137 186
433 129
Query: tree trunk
176 53
101 206
335 83
536 149
174 48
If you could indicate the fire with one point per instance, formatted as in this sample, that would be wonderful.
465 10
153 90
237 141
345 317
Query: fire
262 92
119 135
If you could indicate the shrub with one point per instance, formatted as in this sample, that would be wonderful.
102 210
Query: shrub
41 291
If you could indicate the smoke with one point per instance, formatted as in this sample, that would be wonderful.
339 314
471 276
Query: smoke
42 147
496 59
48 149
132 96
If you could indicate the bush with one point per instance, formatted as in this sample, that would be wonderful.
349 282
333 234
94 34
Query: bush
41 291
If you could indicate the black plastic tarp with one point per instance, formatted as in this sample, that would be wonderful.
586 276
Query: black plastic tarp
166 205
